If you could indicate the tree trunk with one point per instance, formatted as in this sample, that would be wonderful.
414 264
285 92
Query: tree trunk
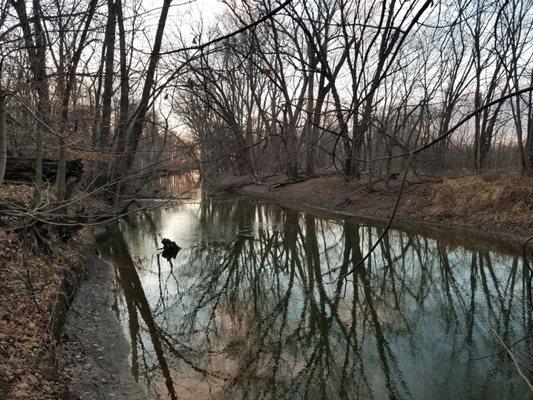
23 169
68 81
3 136
317 117
308 129
528 150
138 122
37 57
124 83
105 120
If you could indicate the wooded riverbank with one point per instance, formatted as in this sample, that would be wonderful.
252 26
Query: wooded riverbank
38 289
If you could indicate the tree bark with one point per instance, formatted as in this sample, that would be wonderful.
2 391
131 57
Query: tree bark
308 129
3 136
105 120
124 82
528 149
65 100
23 169
37 57
139 119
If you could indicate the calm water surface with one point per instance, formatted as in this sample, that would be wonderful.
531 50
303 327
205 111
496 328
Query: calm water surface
258 304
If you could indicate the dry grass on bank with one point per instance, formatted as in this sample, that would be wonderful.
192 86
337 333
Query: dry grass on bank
497 201
493 197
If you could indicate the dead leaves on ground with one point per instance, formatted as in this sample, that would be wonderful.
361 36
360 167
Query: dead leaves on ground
29 286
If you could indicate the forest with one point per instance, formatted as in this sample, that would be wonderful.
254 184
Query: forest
296 87
414 115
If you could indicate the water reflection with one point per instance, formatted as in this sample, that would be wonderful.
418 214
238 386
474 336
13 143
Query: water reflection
253 307
170 186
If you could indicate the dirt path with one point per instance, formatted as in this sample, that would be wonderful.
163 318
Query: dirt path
93 352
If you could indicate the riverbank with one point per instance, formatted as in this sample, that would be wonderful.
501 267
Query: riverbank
93 354
36 293
494 208
91 362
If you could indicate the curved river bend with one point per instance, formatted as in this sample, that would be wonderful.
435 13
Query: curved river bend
257 304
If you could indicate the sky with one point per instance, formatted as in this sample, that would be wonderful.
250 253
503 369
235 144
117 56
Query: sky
185 17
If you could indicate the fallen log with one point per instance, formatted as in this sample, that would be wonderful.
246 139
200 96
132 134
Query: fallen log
23 169
290 182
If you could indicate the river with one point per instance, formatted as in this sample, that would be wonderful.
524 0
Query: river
267 302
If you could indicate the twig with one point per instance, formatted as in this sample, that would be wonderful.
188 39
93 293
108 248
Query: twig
31 290
231 34
511 355
500 352
389 223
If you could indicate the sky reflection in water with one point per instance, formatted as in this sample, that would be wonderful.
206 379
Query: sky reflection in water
252 308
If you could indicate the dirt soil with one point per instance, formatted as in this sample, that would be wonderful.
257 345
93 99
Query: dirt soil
35 293
491 207
93 352
34 296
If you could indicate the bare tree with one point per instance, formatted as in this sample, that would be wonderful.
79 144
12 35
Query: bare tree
138 121
35 43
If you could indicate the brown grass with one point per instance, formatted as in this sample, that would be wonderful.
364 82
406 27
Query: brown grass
497 198
497 202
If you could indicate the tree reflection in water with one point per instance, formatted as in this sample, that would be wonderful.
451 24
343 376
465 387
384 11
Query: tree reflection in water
252 308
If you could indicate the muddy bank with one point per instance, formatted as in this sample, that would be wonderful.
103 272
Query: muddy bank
479 213
36 291
59 338
93 354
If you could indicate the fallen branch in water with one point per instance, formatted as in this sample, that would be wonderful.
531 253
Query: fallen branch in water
511 356
501 351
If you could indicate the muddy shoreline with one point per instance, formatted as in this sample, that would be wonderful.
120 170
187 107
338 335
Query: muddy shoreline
36 292
56 318
453 229
93 353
